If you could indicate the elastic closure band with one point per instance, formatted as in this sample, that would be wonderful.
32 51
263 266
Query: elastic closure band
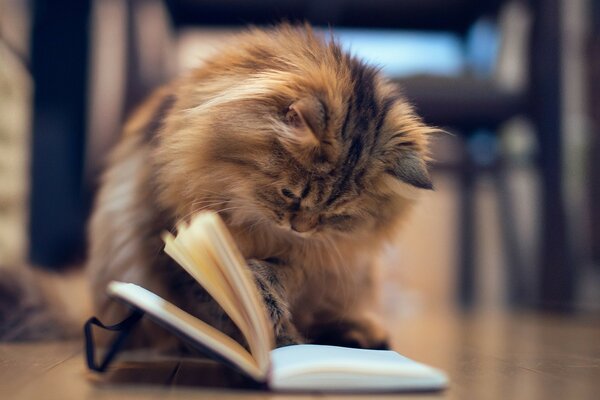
124 328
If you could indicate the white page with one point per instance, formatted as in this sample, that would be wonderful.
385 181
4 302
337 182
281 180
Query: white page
329 368
196 330
206 250
295 368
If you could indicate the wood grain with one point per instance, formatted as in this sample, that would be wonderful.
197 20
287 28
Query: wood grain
522 356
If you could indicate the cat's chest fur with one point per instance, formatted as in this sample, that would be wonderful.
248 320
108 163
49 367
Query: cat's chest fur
320 271
287 248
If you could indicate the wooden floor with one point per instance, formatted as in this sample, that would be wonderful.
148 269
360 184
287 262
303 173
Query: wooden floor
487 357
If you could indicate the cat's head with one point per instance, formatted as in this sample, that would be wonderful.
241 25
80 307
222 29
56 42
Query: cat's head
286 129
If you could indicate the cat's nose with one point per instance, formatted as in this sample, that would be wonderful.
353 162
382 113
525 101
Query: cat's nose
303 223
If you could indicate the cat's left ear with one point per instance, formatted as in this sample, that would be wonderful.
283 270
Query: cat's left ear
306 118
409 167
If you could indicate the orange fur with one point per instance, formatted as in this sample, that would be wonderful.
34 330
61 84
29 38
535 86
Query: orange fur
257 134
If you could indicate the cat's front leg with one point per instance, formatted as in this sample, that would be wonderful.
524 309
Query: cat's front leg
274 296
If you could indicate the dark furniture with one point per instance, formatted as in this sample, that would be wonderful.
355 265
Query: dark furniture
59 202
59 66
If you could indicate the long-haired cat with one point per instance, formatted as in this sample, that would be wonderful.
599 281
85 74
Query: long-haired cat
311 157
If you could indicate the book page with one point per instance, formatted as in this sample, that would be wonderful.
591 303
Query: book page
330 368
242 279
205 336
206 250
203 268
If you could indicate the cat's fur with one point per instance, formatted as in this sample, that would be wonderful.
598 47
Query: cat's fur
311 157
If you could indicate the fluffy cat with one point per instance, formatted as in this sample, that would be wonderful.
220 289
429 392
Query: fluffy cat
311 157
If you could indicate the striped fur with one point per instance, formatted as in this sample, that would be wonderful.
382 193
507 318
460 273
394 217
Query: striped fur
312 158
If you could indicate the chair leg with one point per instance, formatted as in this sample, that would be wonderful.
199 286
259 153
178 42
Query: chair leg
466 228
58 199
557 272
516 285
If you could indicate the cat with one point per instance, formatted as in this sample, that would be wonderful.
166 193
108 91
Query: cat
312 158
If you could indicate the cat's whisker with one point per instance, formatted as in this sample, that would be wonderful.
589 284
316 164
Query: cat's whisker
208 205
252 227
209 201
204 206
337 264
222 210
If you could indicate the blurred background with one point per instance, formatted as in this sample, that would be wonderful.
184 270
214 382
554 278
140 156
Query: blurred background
515 220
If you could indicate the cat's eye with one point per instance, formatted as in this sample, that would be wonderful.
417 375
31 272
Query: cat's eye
293 118
288 193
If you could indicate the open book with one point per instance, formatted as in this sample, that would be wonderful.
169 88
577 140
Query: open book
207 252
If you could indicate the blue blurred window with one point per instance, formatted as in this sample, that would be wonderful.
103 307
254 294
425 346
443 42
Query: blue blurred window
405 53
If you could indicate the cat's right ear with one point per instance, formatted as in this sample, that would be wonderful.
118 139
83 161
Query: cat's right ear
305 119
410 168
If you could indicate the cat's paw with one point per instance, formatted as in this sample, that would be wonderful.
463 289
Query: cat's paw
274 299
363 334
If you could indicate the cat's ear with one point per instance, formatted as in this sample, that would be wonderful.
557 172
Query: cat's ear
306 121
409 167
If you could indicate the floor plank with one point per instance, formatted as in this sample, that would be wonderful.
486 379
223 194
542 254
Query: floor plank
486 356
22 364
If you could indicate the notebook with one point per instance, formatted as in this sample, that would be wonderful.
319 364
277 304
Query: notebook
206 250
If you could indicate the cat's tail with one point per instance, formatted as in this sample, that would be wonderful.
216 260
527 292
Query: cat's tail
36 305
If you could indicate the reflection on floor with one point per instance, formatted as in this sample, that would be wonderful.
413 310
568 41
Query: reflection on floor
525 356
